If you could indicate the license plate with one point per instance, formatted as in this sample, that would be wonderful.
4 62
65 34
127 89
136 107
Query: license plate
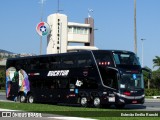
134 102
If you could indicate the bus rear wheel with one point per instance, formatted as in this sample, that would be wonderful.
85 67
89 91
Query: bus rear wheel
97 102
22 98
83 101
30 99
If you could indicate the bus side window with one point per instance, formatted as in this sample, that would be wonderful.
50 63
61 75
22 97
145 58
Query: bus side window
90 83
63 83
54 62
72 86
84 60
68 61
34 63
104 59
43 66
50 84
81 63
21 64
44 63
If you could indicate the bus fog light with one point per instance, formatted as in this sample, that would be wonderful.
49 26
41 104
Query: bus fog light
104 93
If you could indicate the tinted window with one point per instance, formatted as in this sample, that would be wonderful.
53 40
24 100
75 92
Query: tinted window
44 63
55 62
103 58
34 63
125 59
63 83
68 61
84 60
109 78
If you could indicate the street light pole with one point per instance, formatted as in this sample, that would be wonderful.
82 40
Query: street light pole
135 29
142 52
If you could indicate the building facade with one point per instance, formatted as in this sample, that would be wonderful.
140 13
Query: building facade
63 33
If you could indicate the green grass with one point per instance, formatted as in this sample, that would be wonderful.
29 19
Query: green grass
42 107
96 113
127 118
2 90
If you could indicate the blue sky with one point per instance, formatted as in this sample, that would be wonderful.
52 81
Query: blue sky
114 20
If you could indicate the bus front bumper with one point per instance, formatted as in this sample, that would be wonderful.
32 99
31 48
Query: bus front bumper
123 99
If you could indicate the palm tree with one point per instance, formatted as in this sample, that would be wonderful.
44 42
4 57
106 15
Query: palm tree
156 62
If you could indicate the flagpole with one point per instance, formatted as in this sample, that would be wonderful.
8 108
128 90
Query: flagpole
41 19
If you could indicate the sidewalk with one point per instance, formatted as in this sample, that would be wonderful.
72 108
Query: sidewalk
151 100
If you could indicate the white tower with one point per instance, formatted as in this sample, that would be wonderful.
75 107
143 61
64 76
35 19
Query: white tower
57 39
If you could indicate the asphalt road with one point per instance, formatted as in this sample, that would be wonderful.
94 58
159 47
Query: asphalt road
149 105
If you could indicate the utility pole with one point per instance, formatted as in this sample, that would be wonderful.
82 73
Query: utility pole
142 52
135 29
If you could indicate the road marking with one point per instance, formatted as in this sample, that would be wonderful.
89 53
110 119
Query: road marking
7 110
70 118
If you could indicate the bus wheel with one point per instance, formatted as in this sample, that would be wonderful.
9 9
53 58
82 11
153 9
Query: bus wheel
30 99
97 102
22 98
83 102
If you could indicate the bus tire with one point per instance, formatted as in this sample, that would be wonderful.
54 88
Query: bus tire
30 98
96 102
83 101
22 98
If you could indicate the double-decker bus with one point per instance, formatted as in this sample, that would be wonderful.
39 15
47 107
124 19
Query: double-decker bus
96 77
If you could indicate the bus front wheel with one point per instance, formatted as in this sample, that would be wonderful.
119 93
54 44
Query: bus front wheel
83 102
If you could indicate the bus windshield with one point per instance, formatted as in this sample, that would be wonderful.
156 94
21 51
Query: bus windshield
125 59
131 81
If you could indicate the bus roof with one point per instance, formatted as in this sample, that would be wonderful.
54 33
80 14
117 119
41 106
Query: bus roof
80 51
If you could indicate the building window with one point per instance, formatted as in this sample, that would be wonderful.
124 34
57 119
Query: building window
75 30
70 30
78 30
86 31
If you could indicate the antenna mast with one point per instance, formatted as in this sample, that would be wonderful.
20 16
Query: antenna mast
58 8
42 8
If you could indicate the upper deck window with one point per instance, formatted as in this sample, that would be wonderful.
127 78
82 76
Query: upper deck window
103 59
125 59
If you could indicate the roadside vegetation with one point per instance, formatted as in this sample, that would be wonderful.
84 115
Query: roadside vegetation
152 85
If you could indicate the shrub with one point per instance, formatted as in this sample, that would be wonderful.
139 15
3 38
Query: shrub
152 92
